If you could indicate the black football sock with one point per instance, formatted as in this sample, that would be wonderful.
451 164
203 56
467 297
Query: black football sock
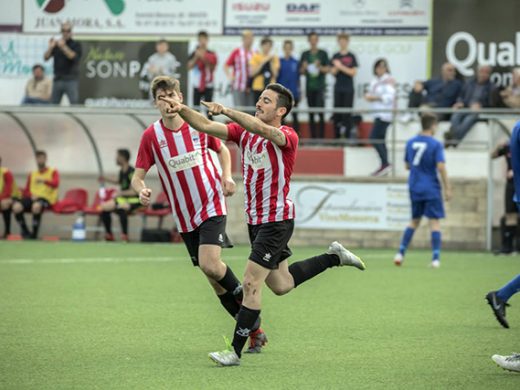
123 218
7 221
23 226
304 270
230 303
245 323
231 284
107 221
37 218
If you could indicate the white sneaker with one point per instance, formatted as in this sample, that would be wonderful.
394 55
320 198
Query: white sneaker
345 256
225 358
435 264
510 363
398 259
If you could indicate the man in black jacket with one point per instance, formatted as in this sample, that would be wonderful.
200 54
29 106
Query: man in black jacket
66 53
475 95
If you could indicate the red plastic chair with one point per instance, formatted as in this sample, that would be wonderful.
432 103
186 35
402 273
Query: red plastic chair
95 207
160 213
74 200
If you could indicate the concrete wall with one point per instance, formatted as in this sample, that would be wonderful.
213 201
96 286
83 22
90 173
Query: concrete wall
464 227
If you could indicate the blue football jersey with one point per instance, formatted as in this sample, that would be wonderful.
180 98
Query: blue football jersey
515 160
422 155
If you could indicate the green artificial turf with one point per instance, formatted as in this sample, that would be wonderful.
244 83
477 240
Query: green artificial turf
101 316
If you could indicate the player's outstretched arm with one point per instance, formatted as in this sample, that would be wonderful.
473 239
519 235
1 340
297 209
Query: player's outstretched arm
139 186
441 167
196 120
248 122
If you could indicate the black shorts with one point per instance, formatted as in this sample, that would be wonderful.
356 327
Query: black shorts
269 243
211 232
509 203
28 202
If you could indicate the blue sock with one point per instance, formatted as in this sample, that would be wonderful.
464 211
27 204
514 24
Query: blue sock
405 241
509 289
436 245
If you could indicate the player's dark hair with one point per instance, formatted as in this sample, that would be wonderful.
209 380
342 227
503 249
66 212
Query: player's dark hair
36 66
381 61
428 120
125 153
162 40
266 40
39 153
312 33
203 33
288 42
165 83
285 97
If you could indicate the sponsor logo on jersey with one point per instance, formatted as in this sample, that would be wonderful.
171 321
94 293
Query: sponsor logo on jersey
257 161
185 161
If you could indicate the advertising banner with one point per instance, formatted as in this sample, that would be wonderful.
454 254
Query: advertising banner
18 54
328 17
157 17
351 206
473 33
118 73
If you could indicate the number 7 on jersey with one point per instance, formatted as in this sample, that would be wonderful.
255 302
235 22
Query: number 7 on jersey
420 148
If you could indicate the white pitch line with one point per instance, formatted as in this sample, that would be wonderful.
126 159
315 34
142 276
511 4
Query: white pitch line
78 260
165 259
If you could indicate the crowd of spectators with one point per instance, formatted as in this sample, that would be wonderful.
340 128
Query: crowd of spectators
248 71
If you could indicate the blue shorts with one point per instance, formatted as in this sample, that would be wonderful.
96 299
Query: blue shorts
430 208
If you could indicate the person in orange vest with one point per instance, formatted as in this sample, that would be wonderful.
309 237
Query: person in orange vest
8 192
40 193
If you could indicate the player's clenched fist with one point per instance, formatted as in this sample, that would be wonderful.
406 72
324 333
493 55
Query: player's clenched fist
145 196
228 186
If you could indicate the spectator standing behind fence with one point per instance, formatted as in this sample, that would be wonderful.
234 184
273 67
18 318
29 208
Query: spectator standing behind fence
381 95
66 53
344 66
314 64
440 92
237 71
162 62
475 95
38 89
511 95
263 67
203 62
289 77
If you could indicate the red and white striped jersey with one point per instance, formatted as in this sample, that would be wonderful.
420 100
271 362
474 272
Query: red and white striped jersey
267 170
187 172
239 60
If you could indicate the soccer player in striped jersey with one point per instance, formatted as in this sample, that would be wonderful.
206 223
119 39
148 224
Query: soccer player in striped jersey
268 152
195 190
